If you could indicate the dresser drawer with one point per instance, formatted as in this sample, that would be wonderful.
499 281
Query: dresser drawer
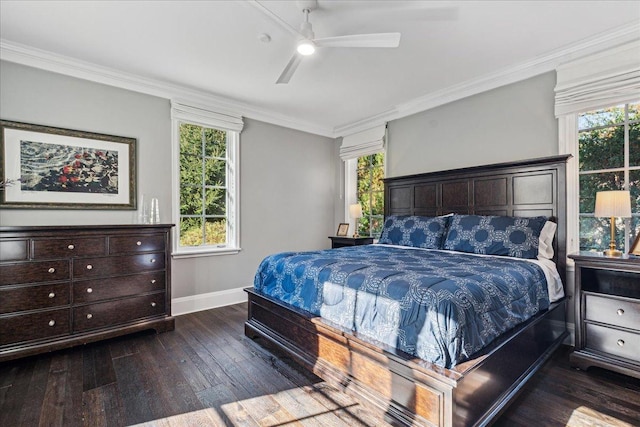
29 327
33 297
33 272
612 341
618 311
14 250
133 244
67 248
117 265
110 313
85 291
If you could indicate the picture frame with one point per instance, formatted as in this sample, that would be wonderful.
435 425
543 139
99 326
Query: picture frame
46 167
343 229
635 246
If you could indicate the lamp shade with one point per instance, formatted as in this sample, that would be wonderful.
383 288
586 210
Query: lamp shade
613 204
355 210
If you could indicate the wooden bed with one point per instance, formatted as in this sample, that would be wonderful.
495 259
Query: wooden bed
410 390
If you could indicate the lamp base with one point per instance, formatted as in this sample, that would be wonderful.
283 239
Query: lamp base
613 253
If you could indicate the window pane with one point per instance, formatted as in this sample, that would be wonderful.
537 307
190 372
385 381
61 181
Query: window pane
602 148
594 233
634 145
604 117
191 231
592 183
215 143
216 201
634 230
634 189
377 175
191 170
377 203
190 200
190 139
376 226
216 231
215 172
634 111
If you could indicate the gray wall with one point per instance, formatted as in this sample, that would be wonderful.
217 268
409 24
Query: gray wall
286 176
512 122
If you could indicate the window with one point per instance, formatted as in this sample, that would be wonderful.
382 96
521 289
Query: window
608 159
206 181
370 194
363 155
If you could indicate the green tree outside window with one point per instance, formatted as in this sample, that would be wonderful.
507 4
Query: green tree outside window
370 192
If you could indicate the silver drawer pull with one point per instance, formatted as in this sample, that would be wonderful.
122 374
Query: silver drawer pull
620 312
153 260
89 266
52 270
52 295
52 323
71 247
89 290
138 243
89 316
620 343
153 280
153 304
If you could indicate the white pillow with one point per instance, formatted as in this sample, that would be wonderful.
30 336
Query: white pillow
545 245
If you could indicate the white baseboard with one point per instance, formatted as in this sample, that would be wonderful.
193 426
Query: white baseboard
206 301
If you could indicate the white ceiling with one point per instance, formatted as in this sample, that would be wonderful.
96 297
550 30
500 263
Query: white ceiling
212 47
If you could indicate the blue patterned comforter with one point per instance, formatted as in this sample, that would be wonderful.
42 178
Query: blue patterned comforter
439 306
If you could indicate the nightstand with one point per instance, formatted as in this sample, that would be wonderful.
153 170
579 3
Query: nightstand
607 313
341 241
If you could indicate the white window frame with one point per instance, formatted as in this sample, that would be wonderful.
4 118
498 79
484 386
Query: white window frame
597 81
196 116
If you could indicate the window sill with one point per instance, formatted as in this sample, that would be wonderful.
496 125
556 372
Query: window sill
194 253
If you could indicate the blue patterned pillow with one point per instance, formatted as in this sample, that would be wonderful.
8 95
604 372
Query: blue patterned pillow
415 231
495 235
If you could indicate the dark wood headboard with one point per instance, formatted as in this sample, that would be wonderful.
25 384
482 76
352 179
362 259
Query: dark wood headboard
522 188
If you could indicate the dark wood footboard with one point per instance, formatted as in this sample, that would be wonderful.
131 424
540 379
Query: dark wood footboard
411 391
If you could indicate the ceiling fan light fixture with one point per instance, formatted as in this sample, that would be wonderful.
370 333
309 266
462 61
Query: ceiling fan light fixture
306 47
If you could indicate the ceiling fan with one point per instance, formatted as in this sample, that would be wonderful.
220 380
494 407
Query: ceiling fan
308 43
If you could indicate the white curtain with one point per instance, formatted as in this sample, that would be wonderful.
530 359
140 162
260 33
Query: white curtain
600 80
205 117
363 143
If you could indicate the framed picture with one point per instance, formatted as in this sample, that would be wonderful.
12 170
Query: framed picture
45 167
343 229
635 247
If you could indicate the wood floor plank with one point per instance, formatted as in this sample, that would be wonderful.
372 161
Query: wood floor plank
176 349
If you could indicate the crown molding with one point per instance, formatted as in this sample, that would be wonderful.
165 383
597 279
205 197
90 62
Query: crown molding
26 55
37 58
523 71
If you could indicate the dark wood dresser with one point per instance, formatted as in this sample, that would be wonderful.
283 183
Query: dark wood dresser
62 286
607 313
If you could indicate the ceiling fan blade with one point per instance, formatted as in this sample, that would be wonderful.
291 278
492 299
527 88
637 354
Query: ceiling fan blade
289 69
361 40
275 18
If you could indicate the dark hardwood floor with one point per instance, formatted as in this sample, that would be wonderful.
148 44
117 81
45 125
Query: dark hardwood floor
207 372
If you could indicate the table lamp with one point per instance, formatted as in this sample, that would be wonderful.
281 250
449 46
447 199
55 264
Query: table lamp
613 204
355 211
